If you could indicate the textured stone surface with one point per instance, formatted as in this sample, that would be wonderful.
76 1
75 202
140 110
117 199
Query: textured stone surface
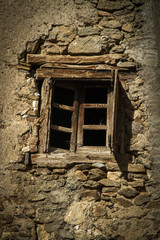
86 45
48 200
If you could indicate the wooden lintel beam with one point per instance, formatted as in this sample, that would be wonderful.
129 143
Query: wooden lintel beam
39 59
72 74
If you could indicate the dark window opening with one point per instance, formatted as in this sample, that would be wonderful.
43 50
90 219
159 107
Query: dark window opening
61 117
95 116
95 95
94 138
63 96
60 139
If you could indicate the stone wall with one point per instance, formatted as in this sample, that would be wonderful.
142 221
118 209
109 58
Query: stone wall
97 199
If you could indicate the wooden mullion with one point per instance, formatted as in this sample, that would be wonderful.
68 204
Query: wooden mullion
73 140
80 119
45 115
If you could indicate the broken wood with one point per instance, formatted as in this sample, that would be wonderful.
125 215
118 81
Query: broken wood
62 129
64 107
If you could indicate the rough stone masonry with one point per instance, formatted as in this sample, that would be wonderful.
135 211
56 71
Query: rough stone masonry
91 199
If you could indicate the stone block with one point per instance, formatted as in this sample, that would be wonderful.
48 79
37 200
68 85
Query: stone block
88 31
63 34
113 24
125 167
141 199
96 174
111 6
114 34
127 27
86 45
109 183
128 192
90 195
122 202
126 64
80 175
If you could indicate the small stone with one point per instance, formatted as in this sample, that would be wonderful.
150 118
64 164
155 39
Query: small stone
98 165
96 174
109 5
98 209
59 171
90 195
122 202
92 184
54 49
110 23
88 31
80 175
141 199
109 183
117 49
128 192
137 183
114 34
138 2
86 45
127 27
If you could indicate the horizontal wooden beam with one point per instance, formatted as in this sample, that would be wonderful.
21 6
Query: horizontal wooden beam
39 59
83 67
95 127
64 107
60 128
72 74
94 105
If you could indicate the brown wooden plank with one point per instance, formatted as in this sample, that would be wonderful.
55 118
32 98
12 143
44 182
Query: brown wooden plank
94 105
83 67
64 107
39 59
95 127
72 74
45 112
62 129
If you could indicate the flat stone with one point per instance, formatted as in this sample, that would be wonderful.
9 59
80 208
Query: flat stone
110 23
138 2
127 27
98 165
98 209
54 49
88 31
80 175
137 183
90 195
125 167
59 171
86 45
141 199
117 49
96 174
110 183
109 5
114 34
92 184
122 202
63 34
128 192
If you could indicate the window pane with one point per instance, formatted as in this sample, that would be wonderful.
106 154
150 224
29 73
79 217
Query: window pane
94 138
60 139
61 117
63 96
95 95
94 116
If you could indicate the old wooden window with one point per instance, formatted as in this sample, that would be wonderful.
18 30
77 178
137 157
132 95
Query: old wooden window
79 116
79 102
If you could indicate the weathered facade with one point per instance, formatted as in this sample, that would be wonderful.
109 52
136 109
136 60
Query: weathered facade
111 191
